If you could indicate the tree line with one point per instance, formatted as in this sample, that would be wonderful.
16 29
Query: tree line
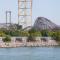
55 34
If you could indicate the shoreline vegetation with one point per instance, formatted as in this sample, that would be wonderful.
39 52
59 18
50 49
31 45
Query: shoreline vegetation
31 41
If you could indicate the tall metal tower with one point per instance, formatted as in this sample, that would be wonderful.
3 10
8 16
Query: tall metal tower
8 18
25 13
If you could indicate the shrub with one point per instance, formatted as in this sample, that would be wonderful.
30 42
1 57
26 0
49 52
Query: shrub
24 33
2 34
7 39
32 34
31 39
56 35
44 33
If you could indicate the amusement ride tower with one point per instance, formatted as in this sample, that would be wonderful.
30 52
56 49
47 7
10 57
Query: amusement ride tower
25 13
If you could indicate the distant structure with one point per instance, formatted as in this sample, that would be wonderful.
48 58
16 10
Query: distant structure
25 13
8 17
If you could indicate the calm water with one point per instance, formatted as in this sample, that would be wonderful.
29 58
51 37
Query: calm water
26 53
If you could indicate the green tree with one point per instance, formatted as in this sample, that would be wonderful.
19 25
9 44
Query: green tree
2 34
7 39
32 34
56 35
24 33
44 33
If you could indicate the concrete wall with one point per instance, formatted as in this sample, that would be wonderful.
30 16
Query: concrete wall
13 39
23 38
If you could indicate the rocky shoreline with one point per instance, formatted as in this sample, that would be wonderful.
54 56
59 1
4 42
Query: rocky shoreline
29 44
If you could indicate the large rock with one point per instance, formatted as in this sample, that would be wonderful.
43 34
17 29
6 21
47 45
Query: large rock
42 23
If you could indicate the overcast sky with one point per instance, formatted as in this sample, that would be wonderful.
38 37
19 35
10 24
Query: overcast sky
45 8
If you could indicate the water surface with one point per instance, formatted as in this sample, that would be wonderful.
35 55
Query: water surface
30 53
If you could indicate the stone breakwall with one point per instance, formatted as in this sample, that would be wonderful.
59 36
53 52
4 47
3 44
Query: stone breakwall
29 44
38 43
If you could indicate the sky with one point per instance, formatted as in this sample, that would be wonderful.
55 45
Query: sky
49 9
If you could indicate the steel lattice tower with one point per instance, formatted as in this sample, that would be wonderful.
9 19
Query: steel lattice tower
8 17
25 13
